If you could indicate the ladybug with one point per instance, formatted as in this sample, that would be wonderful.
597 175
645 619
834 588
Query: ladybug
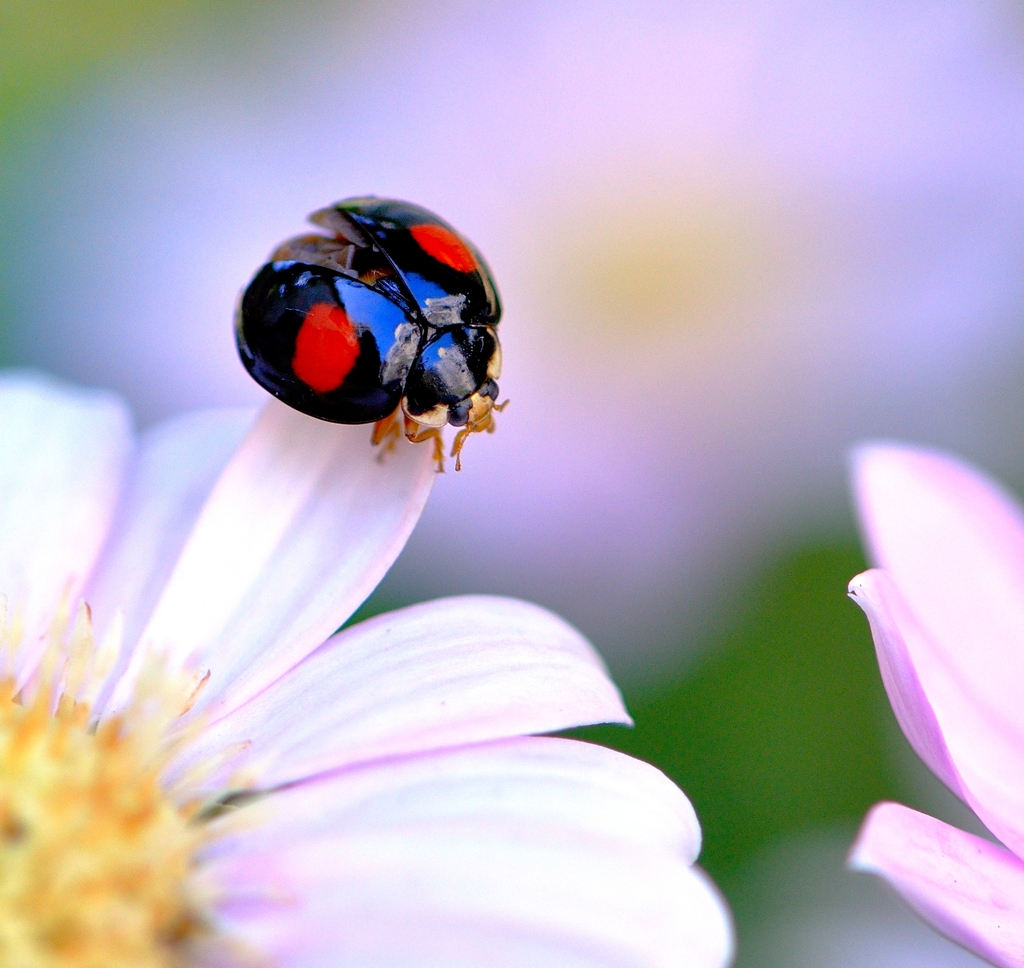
388 317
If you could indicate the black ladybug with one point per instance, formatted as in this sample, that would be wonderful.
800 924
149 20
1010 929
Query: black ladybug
391 318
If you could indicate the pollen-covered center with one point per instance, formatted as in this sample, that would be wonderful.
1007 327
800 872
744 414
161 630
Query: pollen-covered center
94 857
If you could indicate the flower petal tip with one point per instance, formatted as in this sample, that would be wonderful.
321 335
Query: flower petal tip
869 591
875 456
860 586
860 856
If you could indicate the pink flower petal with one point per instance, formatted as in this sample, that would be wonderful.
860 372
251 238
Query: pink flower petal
889 618
953 542
967 888
958 637
177 465
445 673
550 784
301 526
538 852
65 452
979 757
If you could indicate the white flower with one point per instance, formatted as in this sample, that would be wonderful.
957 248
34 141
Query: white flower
224 781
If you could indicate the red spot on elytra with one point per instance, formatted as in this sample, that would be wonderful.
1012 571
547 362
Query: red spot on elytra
445 246
326 348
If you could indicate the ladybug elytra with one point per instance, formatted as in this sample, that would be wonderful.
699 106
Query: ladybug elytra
389 318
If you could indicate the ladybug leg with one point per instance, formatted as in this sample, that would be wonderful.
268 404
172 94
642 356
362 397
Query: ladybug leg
481 419
418 433
434 434
420 427
460 439
387 432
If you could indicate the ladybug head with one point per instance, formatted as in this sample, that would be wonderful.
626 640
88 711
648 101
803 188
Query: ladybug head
454 366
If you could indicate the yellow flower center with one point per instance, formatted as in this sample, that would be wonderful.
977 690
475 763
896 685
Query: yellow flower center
95 857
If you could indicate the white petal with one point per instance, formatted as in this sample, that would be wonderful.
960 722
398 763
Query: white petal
177 465
444 673
65 452
474 893
300 527
550 784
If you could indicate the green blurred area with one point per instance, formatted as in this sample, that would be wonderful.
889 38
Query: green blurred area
51 49
51 53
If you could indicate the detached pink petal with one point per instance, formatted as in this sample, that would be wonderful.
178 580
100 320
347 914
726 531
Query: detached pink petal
967 888
445 673
892 628
528 852
953 542
977 755
177 465
302 524
959 639
64 454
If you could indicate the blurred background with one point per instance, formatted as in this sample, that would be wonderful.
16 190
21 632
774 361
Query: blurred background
732 239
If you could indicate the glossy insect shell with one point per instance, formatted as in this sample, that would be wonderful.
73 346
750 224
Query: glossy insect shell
394 301
433 259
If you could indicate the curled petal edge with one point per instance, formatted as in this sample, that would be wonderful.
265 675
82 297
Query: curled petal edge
967 743
887 614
